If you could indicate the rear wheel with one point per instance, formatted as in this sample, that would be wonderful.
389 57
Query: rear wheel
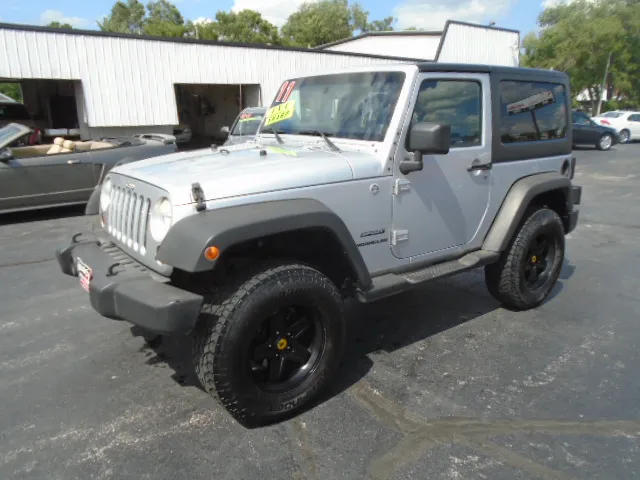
625 136
528 270
270 343
605 142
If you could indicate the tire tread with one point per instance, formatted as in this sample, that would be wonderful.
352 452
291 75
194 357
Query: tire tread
219 307
503 277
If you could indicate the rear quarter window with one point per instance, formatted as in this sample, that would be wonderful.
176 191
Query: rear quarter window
532 111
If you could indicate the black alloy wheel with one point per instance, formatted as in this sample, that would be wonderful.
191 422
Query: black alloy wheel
539 262
287 348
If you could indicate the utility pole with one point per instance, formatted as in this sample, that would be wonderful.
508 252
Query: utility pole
603 88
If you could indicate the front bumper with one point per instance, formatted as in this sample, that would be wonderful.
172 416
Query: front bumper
120 288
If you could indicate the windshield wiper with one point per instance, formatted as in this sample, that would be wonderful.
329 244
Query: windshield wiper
324 137
275 133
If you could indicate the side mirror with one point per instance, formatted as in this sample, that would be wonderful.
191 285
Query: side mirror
224 131
5 154
426 139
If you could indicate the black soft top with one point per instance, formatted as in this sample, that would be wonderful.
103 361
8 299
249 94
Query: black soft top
514 72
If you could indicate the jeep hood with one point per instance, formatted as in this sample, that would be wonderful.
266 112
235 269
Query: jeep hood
246 169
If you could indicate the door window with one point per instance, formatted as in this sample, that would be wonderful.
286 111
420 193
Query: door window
634 118
581 119
454 102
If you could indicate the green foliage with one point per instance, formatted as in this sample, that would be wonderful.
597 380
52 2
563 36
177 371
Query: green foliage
315 23
245 26
12 90
327 21
66 26
580 38
164 20
318 23
125 17
384 25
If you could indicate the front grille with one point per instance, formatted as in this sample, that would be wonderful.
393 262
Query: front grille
128 218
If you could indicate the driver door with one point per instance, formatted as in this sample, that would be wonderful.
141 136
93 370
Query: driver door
443 206
584 130
44 180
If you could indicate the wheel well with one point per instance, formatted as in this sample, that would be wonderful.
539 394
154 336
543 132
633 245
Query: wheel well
555 200
316 247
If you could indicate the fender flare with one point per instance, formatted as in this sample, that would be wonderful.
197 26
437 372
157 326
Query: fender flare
186 241
516 203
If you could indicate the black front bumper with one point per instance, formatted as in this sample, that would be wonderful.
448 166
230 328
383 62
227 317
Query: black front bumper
122 289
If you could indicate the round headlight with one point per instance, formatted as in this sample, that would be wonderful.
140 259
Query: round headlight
105 195
160 220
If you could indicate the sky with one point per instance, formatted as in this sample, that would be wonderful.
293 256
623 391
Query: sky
426 14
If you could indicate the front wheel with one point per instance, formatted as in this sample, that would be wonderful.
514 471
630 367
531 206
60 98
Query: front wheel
605 142
269 344
528 270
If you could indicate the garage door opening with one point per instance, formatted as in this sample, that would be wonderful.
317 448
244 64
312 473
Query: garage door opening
206 108
52 107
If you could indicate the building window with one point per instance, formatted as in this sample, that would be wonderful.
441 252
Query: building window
454 102
532 111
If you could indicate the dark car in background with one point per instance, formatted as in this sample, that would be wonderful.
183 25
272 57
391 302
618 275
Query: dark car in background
588 132
65 172
245 126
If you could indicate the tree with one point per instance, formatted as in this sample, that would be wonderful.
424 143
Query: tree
384 25
246 26
164 20
125 17
60 25
323 22
583 38
11 90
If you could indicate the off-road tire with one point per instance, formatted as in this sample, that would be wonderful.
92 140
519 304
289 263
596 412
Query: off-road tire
228 322
505 278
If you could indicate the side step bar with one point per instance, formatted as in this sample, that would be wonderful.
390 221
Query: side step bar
392 283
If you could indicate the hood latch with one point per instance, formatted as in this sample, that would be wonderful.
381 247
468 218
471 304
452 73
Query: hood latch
198 196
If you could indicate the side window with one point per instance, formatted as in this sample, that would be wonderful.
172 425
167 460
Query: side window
532 111
581 119
454 102
634 118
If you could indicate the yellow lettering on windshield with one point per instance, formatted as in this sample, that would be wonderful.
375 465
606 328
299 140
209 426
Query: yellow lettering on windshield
280 112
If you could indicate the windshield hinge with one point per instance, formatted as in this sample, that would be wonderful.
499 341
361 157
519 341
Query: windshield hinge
398 236
198 196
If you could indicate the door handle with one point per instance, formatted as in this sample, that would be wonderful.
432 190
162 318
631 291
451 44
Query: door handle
479 166
72 162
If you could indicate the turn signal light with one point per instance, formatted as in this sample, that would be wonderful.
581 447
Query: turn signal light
211 253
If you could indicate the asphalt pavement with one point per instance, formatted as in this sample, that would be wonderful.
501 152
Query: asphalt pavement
437 383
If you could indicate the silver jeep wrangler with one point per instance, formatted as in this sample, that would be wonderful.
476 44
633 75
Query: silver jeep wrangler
361 183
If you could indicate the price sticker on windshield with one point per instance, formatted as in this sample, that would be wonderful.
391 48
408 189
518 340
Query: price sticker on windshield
280 112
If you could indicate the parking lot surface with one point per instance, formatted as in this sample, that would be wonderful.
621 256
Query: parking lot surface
437 383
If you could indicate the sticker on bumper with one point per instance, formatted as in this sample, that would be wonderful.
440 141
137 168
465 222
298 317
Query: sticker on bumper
85 274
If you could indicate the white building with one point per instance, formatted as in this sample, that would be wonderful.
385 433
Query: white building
459 42
108 84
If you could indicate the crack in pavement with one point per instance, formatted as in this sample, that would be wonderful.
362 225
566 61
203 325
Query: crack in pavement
421 434
301 443
27 262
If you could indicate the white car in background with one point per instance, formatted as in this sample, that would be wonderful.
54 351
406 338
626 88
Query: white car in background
182 133
627 123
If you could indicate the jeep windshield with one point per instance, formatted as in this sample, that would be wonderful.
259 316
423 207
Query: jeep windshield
351 105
